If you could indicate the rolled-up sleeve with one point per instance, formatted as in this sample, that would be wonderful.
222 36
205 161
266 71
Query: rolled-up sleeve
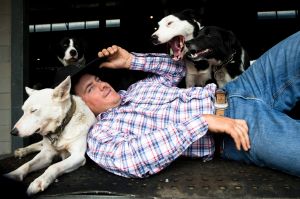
167 70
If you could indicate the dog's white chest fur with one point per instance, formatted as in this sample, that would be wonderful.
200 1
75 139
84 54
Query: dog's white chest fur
195 77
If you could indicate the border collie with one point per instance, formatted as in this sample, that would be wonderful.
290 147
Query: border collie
70 51
175 29
211 54
218 52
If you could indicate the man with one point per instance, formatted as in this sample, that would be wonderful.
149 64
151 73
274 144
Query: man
142 130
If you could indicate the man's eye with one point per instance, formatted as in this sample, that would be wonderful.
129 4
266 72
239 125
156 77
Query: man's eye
89 90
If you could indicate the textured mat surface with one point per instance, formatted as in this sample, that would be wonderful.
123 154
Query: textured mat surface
184 178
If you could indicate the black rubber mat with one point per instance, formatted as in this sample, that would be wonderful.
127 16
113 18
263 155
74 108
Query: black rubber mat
184 178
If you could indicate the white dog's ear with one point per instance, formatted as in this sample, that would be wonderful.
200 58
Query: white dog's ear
62 91
29 91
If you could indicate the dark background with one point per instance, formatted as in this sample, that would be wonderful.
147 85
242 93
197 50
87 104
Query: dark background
136 27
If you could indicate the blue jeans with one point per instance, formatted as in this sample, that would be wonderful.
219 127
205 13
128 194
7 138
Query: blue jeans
262 95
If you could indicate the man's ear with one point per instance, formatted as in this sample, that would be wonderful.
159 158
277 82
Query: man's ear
62 91
29 91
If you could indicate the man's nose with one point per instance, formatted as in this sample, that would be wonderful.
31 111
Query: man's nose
100 85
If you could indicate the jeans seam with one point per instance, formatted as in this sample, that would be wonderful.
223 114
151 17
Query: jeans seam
241 96
281 90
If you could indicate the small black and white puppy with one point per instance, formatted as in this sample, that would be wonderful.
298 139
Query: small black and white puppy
215 55
70 51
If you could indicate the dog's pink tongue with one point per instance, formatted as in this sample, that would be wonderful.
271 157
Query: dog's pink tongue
177 44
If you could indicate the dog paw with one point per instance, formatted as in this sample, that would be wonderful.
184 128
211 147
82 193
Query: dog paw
15 175
37 185
20 153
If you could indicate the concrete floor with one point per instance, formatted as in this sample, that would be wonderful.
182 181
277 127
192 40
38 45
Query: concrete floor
184 178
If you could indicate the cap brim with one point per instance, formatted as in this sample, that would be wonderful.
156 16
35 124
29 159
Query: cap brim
75 72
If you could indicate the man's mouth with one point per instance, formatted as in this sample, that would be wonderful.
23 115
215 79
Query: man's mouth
106 92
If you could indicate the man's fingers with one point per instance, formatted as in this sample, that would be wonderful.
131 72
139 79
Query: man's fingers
245 134
103 53
108 51
243 137
112 50
237 143
239 133
100 54
115 47
237 139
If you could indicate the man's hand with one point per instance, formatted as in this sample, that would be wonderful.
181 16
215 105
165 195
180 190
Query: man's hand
237 129
117 57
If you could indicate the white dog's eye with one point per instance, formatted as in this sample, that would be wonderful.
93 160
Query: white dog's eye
169 23
33 110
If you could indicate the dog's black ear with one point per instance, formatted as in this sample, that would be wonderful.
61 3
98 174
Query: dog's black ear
230 40
62 91
193 14
189 12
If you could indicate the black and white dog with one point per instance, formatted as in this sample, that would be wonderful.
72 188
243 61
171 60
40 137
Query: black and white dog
211 54
70 51
175 29
218 53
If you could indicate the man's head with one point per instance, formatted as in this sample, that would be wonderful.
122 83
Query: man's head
97 94
89 83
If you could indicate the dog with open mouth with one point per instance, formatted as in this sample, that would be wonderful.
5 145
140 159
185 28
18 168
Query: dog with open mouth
175 29
219 53
211 54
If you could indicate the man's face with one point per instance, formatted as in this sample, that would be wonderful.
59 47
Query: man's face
99 96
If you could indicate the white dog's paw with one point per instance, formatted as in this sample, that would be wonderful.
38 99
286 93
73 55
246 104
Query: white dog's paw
38 185
15 175
20 152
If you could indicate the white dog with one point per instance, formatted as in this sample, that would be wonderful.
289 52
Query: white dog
175 29
63 120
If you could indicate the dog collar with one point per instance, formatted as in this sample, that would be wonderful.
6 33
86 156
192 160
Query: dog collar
228 60
53 136
218 73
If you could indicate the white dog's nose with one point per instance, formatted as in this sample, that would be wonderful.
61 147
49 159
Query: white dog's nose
14 132
154 39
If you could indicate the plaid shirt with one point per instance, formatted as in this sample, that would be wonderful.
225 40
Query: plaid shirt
155 123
